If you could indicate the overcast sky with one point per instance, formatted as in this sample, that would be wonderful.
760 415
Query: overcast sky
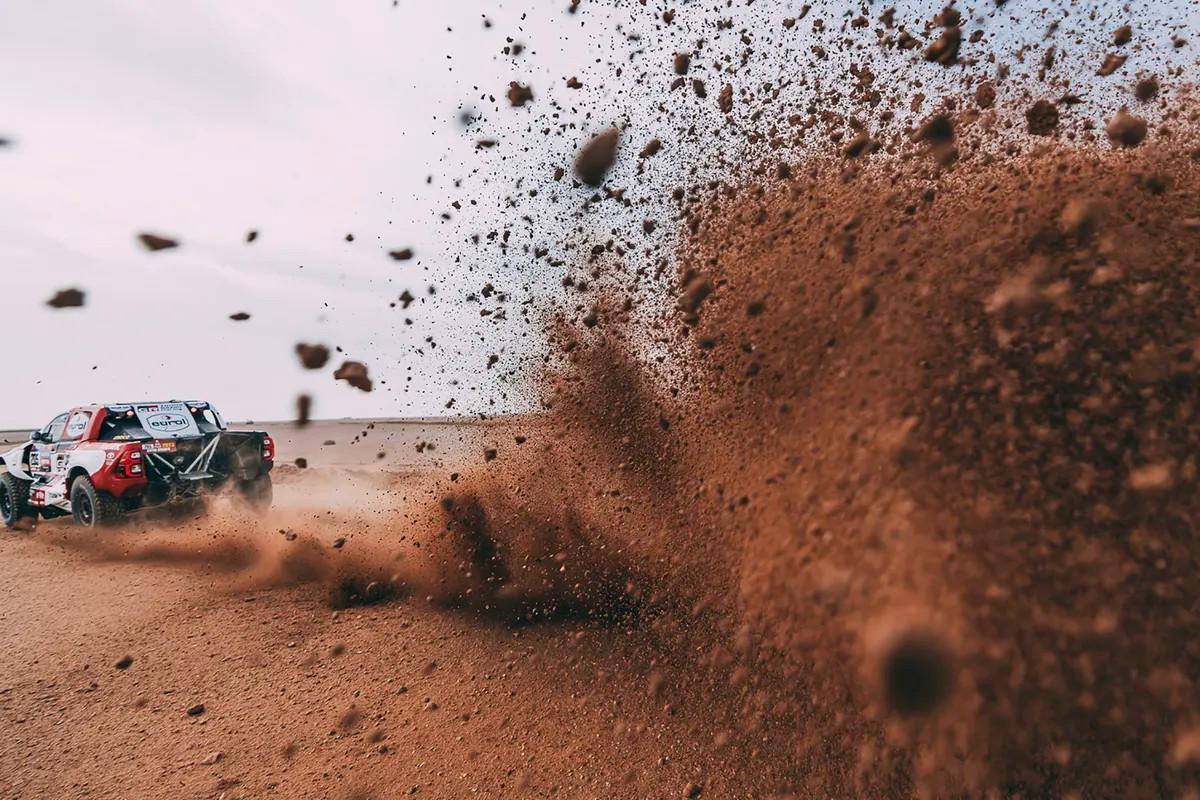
203 119
306 120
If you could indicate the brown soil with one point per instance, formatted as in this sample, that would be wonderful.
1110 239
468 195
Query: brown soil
916 490
967 417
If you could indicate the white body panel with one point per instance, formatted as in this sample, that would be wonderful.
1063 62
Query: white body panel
167 420
51 464
13 460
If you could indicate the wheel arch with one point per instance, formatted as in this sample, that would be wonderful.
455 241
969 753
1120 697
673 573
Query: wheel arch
73 476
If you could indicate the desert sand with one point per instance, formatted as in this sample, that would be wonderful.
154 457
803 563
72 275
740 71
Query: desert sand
110 639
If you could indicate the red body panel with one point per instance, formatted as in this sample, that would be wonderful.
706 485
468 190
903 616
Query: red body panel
93 432
108 478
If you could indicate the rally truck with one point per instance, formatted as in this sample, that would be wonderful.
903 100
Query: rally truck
99 462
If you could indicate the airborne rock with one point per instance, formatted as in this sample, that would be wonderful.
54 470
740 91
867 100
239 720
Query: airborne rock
519 94
312 356
154 242
66 298
355 374
1042 118
1126 130
596 157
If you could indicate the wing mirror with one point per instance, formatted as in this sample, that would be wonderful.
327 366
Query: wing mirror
37 436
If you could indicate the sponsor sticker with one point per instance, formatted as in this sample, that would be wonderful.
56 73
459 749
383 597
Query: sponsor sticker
167 419
161 446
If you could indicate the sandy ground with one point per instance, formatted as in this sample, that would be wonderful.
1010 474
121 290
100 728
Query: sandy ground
301 699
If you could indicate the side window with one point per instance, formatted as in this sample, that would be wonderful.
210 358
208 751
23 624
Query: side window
77 425
54 430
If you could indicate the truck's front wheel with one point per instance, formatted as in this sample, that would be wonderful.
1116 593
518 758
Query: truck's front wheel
257 492
14 499
91 507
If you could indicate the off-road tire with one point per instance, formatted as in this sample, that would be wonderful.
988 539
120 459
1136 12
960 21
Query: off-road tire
257 493
14 499
91 507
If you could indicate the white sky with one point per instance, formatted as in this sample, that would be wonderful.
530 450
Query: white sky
307 120
203 119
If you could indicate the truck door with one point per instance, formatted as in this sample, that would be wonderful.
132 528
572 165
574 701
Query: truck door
41 455
77 425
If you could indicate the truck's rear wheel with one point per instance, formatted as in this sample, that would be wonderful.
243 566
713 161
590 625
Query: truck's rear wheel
92 507
257 492
14 499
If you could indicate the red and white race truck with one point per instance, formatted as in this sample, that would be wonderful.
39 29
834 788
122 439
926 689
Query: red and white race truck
98 462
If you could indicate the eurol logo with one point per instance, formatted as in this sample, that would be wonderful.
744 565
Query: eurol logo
167 421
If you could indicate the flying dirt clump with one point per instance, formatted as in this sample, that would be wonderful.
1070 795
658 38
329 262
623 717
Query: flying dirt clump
1126 130
917 673
304 404
596 157
1042 118
312 356
355 374
66 298
519 94
154 242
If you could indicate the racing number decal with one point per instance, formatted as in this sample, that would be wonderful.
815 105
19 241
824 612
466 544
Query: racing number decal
39 460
